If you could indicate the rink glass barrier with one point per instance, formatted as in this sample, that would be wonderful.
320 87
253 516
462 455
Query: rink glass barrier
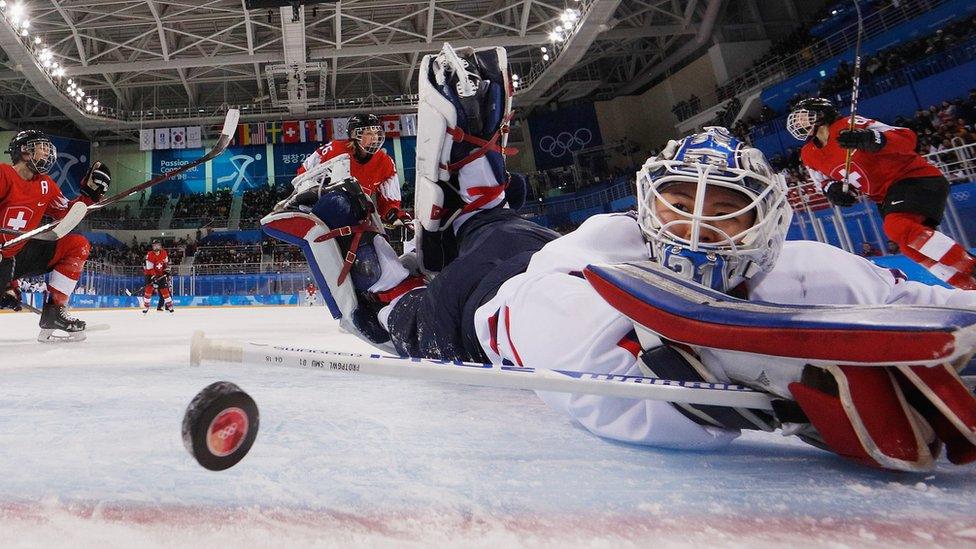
107 285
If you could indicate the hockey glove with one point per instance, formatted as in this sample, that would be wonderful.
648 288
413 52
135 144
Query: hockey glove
96 181
862 140
395 217
834 190
10 299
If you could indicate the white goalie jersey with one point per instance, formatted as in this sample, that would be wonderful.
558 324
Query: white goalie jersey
550 317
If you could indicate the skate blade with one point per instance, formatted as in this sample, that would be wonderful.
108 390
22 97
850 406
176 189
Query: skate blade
59 336
50 335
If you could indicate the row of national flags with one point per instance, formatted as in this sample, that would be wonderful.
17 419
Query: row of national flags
261 133
318 130
183 137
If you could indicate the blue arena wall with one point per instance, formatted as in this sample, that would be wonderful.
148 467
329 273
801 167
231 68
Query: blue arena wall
777 95
928 82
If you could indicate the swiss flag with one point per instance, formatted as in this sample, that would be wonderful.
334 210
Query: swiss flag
291 132
391 125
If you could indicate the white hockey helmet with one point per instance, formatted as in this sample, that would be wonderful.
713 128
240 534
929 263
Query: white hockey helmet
676 235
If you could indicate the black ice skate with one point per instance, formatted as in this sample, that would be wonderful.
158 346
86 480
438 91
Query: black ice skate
55 318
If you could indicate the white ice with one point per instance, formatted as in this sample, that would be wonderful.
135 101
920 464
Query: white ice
91 456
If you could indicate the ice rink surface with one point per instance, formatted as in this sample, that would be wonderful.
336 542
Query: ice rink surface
91 456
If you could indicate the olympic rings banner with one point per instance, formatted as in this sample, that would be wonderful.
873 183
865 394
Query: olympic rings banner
556 135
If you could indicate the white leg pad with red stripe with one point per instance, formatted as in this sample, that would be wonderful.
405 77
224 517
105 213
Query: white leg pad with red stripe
454 176
325 258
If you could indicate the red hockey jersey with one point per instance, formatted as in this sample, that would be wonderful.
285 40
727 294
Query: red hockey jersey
310 289
157 263
377 175
871 173
23 204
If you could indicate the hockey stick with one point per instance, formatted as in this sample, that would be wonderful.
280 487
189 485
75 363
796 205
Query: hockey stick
226 134
484 375
53 230
849 156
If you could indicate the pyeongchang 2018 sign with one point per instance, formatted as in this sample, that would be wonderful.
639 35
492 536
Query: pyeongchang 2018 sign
557 135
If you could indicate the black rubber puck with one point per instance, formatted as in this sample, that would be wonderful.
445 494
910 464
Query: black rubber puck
220 425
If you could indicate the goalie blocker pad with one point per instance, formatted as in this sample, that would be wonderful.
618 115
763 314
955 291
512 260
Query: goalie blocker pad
660 301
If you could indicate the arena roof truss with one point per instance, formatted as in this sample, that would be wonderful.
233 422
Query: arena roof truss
158 63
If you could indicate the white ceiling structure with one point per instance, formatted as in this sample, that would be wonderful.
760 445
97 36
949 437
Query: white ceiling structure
157 63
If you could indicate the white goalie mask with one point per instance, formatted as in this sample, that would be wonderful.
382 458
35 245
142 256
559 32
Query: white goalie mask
712 209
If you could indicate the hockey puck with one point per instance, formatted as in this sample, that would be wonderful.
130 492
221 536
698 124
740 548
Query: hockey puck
220 425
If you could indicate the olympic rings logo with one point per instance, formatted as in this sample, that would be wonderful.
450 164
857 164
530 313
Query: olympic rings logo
565 142
962 195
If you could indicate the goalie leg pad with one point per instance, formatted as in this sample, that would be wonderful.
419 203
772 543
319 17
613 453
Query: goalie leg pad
947 404
329 266
463 114
862 415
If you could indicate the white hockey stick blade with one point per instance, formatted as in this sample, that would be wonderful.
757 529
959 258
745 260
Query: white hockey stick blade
55 229
485 375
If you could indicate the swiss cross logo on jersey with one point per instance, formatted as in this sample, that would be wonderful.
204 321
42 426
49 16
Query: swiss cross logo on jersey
17 218
854 179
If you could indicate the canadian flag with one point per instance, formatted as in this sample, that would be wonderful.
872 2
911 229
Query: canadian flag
391 125
291 132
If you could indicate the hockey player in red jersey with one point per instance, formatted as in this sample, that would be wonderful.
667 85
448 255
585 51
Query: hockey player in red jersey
910 192
27 194
369 164
157 276
310 298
